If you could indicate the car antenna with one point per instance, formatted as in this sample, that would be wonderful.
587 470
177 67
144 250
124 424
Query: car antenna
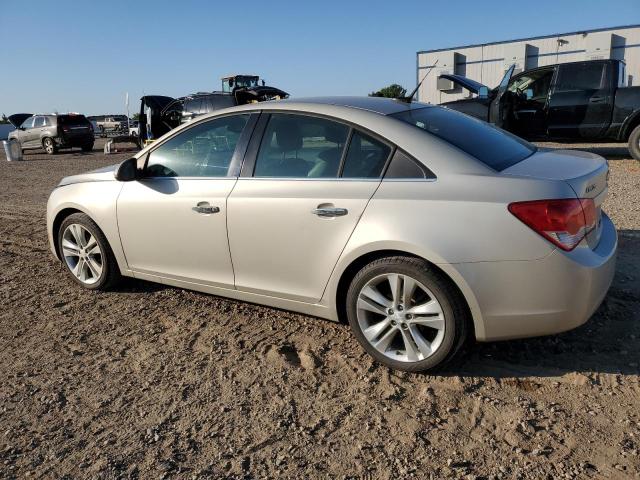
409 99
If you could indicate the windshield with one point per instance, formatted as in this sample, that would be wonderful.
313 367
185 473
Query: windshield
492 146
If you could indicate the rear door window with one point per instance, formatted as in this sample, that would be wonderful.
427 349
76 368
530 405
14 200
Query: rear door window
366 157
581 76
490 145
301 146
39 122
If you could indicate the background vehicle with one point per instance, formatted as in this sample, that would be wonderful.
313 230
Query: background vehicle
570 101
110 123
160 114
52 132
416 224
134 129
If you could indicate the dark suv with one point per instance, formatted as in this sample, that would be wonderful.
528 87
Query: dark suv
52 132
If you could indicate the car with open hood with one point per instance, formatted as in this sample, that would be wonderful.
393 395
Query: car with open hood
51 132
160 114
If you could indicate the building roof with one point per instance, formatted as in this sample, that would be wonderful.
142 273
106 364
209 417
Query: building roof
529 38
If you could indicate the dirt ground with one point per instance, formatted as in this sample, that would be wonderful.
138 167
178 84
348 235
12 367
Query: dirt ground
155 382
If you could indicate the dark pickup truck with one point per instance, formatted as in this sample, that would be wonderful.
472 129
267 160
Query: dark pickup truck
579 101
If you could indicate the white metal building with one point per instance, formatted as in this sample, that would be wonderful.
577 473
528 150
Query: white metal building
486 63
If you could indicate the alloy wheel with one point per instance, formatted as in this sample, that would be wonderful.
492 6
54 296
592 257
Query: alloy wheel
82 253
48 145
400 317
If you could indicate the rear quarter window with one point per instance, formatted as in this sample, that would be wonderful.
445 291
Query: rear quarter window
490 145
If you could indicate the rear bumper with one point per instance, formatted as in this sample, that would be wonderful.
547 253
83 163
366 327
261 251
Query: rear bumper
75 141
542 297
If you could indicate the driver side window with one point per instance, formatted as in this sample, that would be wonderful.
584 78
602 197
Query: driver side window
204 150
28 123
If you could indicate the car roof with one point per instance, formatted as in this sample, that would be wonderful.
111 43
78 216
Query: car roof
383 106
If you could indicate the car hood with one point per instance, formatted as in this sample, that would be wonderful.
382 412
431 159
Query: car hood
18 118
464 82
104 174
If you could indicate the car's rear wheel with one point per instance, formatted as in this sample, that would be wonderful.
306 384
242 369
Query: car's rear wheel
634 143
405 314
86 254
87 148
49 145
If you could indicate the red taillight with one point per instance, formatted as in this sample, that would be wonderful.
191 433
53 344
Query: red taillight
563 222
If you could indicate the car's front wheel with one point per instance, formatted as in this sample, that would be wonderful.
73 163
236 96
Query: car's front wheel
406 314
86 254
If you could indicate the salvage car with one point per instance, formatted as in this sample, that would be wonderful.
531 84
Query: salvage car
575 101
420 226
52 132
160 114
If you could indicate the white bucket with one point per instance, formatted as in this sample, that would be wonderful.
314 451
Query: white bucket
12 150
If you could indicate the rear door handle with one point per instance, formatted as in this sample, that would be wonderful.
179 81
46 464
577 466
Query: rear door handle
330 212
205 208
597 99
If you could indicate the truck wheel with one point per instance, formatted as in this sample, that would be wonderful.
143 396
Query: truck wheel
634 143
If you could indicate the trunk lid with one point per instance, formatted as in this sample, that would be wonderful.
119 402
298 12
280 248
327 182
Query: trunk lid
586 173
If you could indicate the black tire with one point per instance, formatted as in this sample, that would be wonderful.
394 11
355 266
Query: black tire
49 145
110 275
87 148
634 143
454 309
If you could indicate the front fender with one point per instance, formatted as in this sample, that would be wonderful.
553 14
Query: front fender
98 200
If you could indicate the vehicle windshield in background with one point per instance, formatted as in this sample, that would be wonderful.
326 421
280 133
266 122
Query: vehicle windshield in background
72 120
492 146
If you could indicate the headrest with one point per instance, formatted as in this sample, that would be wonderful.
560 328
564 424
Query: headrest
236 124
288 135
335 134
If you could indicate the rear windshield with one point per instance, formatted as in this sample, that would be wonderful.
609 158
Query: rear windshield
72 120
492 146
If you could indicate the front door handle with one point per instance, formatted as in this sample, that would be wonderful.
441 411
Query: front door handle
205 208
330 212
597 99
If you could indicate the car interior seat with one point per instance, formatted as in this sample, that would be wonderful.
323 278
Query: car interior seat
328 161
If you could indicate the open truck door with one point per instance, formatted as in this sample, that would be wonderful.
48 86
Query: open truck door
152 125
497 111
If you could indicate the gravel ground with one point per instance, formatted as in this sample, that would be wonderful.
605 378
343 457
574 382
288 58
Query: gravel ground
154 382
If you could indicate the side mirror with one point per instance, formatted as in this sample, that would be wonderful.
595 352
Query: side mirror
483 92
127 171
528 93
21 128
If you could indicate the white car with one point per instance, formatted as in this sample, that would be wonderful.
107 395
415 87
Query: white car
419 226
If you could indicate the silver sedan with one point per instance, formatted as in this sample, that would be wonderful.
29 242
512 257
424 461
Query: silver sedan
419 226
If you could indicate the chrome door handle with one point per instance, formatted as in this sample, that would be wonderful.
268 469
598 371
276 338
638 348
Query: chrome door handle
330 212
204 207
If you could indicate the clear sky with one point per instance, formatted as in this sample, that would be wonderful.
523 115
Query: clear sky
83 55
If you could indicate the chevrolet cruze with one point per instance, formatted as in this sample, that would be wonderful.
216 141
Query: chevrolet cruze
419 226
